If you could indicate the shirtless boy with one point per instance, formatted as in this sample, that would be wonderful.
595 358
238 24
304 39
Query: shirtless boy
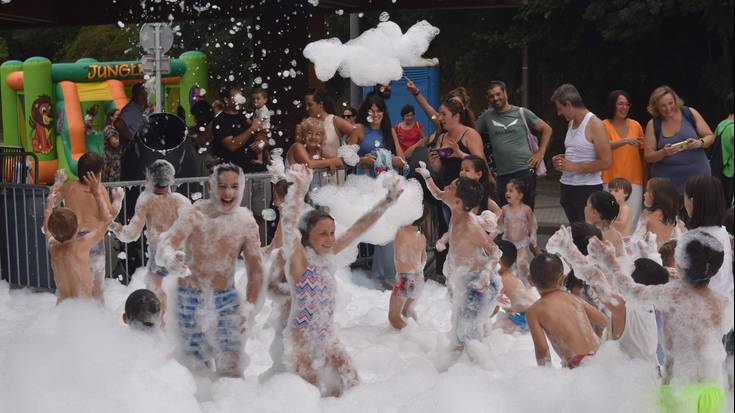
78 196
520 297
70 251
216 230
157 209
410 257
472 262
573 326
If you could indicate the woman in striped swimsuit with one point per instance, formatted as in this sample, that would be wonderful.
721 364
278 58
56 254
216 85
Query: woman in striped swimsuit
313 350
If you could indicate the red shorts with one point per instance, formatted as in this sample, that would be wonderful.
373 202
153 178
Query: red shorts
576 360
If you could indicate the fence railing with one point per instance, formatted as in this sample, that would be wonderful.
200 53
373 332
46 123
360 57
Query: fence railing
24 259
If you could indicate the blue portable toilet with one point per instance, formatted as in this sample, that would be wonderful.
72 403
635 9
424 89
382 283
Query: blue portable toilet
427 80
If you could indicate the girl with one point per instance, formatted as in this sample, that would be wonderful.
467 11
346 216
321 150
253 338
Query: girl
519 224
475 168
601 210
660 215
313 350
113 148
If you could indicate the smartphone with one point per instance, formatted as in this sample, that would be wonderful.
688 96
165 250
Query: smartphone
680 146
443 152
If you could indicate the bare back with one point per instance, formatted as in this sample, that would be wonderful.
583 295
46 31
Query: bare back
564 319
409 250
70 262
161 212
79 198
520 298
467 240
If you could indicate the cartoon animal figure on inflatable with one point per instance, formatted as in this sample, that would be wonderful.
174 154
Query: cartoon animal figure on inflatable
41 122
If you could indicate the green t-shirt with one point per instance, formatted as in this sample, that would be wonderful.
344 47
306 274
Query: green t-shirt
725 132
508 137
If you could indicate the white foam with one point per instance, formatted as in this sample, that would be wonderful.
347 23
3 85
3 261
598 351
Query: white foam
376 56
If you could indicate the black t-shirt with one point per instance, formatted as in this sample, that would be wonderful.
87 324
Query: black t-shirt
225 125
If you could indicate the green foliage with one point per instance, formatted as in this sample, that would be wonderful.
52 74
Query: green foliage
104 43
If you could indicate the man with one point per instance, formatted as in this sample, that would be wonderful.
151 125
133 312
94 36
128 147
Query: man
131 116
232 135
214 233
508 127
587 152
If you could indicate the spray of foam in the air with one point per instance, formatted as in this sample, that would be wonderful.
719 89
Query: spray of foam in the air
376 56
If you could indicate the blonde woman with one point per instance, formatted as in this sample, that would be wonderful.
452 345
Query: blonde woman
309 147
675 139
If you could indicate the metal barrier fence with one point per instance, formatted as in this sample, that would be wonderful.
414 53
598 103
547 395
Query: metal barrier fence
24 259
16 166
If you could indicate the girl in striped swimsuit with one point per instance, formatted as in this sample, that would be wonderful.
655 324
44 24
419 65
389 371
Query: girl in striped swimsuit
313 350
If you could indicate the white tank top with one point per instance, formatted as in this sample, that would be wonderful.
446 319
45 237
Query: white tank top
640 336
580 150
331 138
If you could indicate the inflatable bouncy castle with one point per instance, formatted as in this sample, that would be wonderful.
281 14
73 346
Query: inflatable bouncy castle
58 110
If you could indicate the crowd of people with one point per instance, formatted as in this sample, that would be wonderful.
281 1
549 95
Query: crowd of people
646 261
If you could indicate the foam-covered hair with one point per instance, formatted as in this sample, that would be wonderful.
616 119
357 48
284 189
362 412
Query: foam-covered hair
700 255
160 173
219 169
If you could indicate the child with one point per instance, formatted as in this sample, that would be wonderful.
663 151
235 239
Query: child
70 251
471 265
410 257
142 310
601 210
78 196
661 203
113 148
215 231
475 168
519 224
157 209
520 297
260 98
621 189
572 325
694 317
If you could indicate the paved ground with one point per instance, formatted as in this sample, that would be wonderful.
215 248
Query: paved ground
549 214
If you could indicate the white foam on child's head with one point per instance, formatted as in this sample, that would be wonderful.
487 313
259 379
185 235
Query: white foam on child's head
680 253
160 173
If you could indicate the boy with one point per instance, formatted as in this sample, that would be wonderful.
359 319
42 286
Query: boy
621 189
520 297
142 310
409 254
157 209
694 317
70 251
216 231
472 262
573 326
260 99
78 196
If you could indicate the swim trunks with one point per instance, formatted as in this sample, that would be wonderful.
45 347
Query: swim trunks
227 311
408 285
153 267
519 320
576 360
695 397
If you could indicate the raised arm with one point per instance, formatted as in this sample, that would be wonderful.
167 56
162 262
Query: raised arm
132 231
100 196
367 220
597 319
421 100
435 191
51 202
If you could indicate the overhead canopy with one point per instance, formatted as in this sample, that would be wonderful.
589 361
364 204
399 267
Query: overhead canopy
27 13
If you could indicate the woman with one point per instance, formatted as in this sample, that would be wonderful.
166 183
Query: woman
676 138
313 350
319 107
372 133
459 92
704 203
409 131
113 148
626 142
350 114
457 141
309 148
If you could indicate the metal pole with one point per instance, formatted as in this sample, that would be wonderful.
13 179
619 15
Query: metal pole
524 77
158 66
355 91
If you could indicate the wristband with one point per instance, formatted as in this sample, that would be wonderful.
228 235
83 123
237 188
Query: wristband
418 92
701 141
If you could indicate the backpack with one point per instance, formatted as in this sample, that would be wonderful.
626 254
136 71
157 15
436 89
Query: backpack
686 114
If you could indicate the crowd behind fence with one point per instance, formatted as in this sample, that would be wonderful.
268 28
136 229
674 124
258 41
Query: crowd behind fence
24 259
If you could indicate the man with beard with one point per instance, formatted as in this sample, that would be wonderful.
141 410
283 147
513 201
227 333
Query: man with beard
508 127
233 135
